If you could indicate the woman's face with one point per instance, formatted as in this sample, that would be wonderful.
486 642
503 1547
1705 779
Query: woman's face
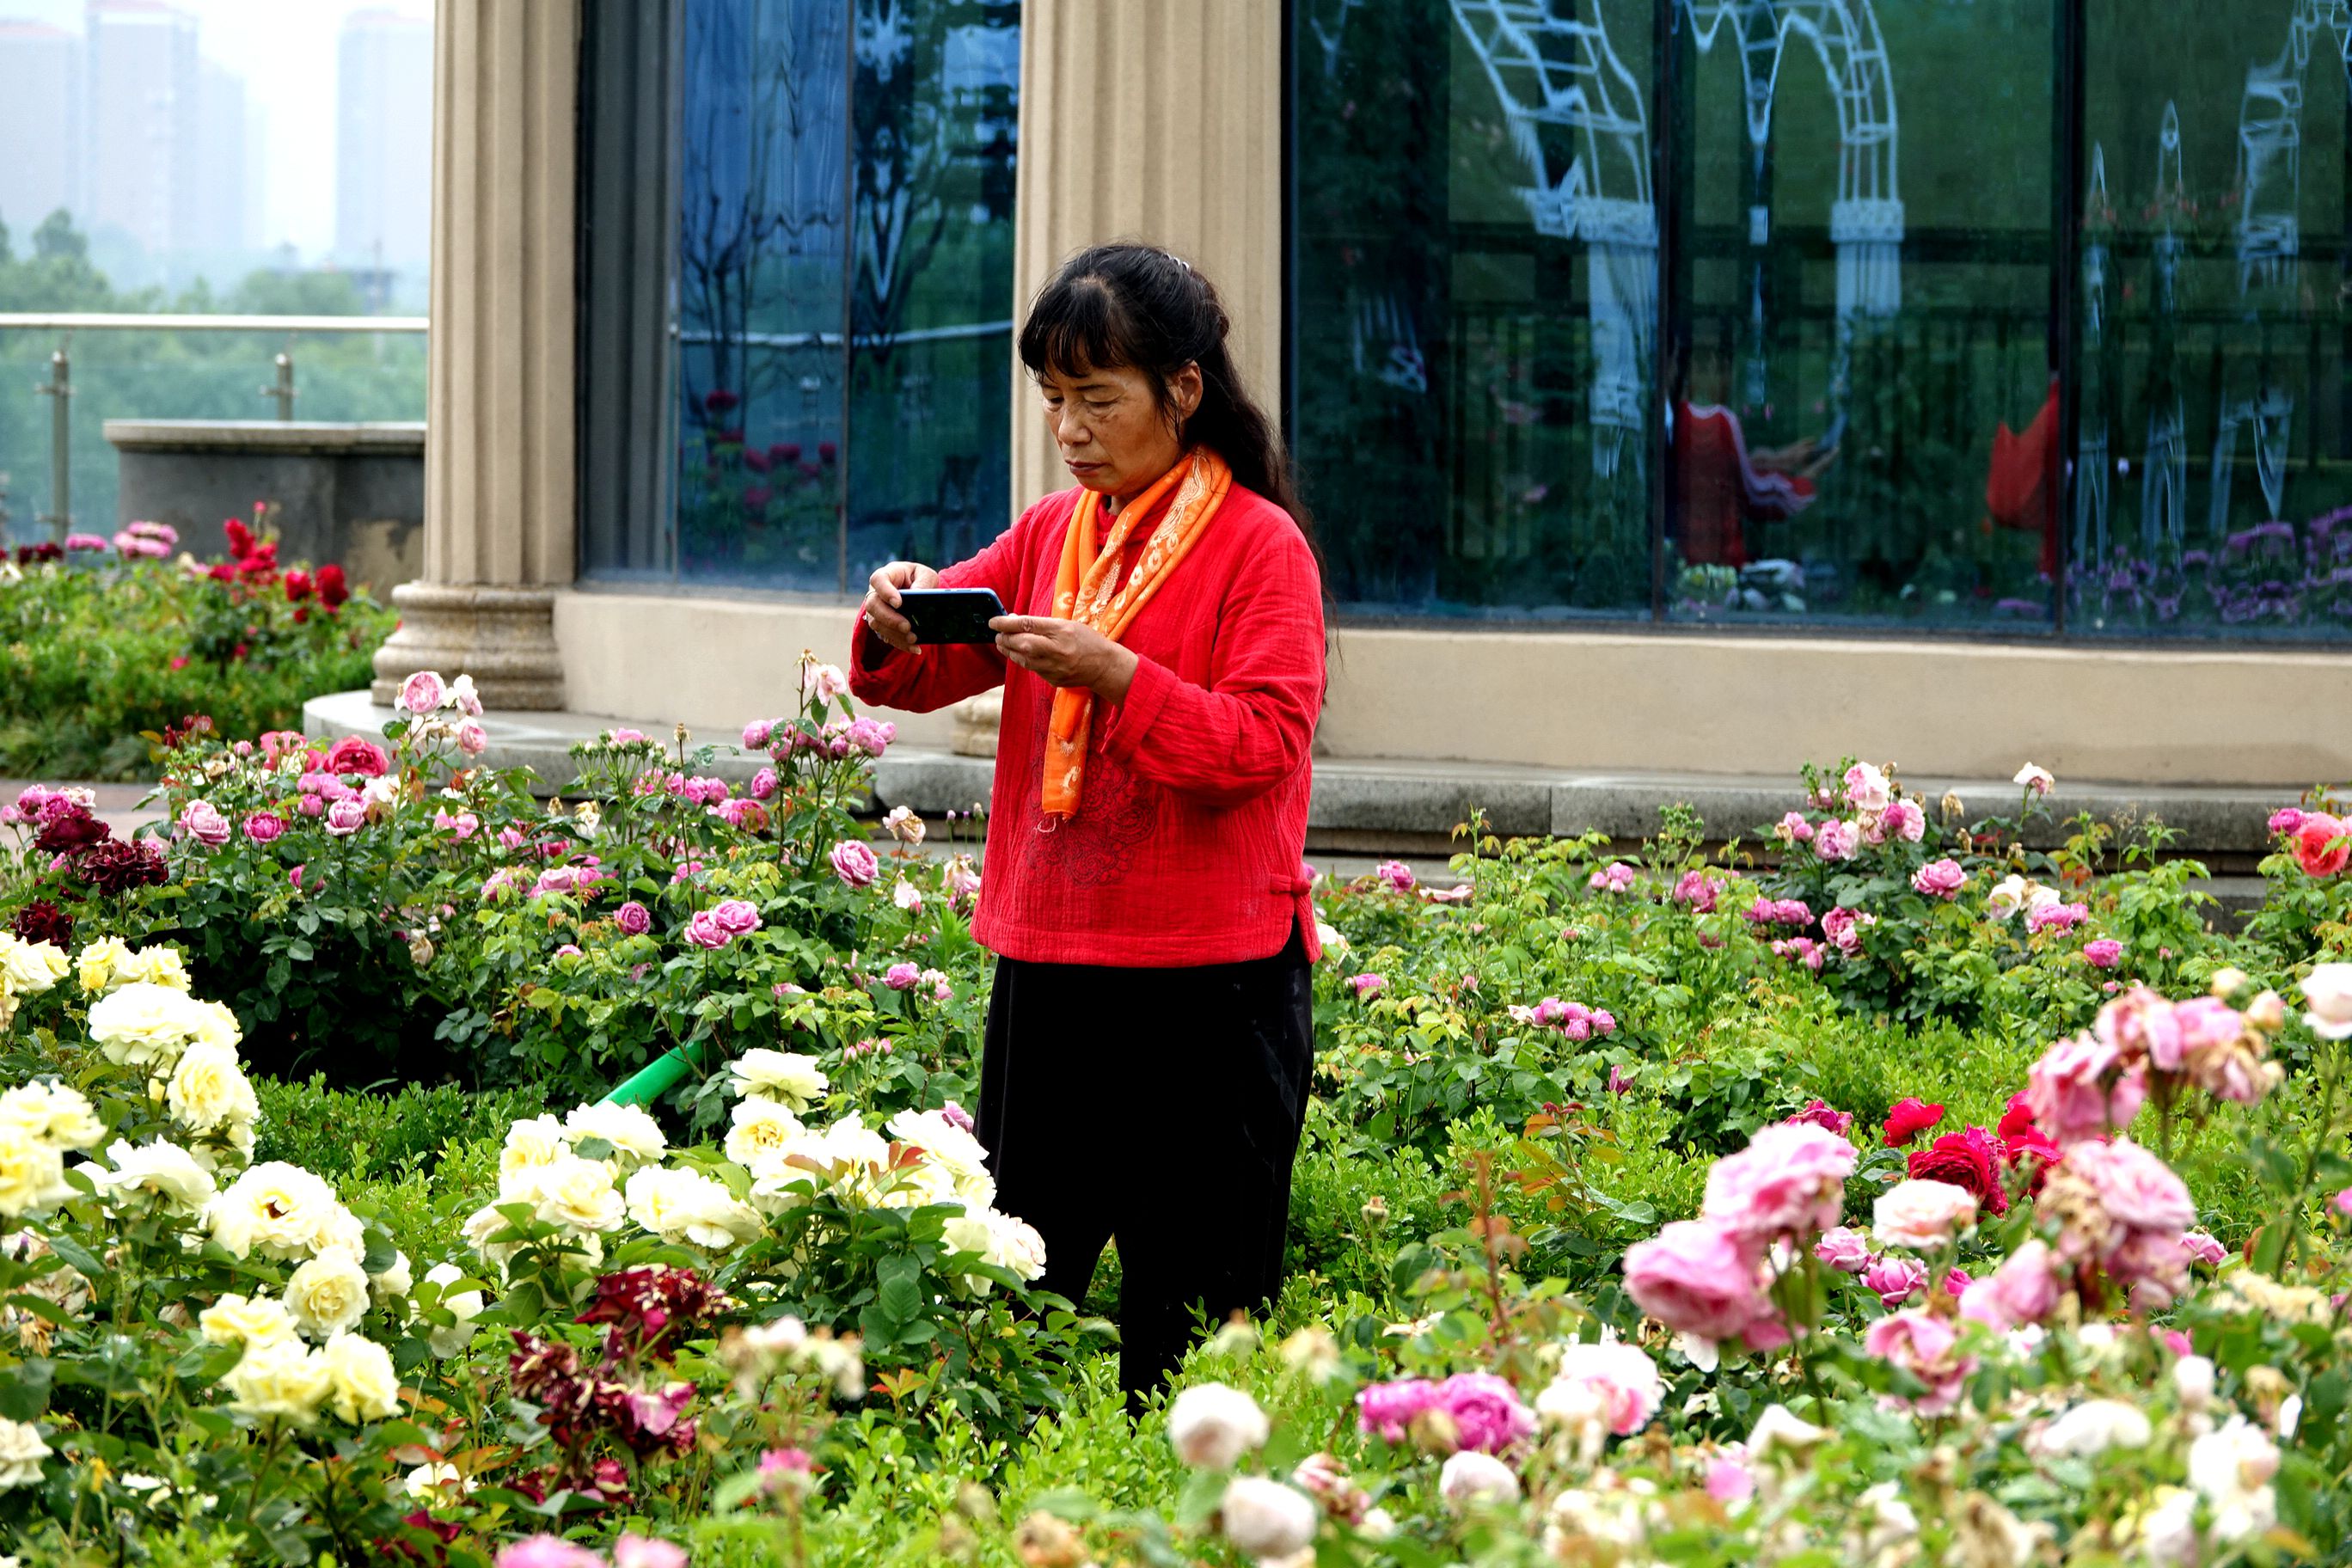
1113 434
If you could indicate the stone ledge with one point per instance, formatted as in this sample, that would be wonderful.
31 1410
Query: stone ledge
1363 803
287 436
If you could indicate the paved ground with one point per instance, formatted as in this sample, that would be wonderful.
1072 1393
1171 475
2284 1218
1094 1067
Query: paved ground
117 803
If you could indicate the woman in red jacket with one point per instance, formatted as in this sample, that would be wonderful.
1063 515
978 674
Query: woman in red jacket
1151 1031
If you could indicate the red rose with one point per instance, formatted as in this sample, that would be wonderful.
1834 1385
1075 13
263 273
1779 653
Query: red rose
329 581
352 754
2313 835
298 586
2016 1117
1910 1117
1971 1159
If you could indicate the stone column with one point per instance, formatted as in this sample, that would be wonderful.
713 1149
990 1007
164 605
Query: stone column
500 525
1154 120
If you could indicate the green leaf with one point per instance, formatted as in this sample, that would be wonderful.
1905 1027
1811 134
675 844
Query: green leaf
899 1294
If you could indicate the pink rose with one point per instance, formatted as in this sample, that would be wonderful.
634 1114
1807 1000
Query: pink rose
2056 916
461 826
421 693
756 733
1793 828
2317 844
2079 1089
2205 1248
633 919
1845 1249
704 931
1697 889
1396 877
1866 788
1387 1409
1802 949
1695 1277
853 863
763 783
547 1551
1486 1412
1895 1279
294 878
1729 1480
1903 819
1614 878
2286 819
2023 1290
1836 839
641 1552
200 821
901 976
1788 1180
472 739
2105 953
263 826
735 917
1924 1346
346 817
1819 1114
1367 987
1621 1375
2134 1187
1939 879
355 754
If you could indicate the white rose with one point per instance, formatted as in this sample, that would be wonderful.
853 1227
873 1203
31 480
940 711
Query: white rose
281 1211
2167 1531
2092 1427
1471 1478
2009 896
635 1137
535 1142
464 1305
395 1281
689 1206
792 1080
1266 1518
2037 779
208 1092
32 1174
144 1025
152 966
1212 1425
283 1378
246 1320
950 1146
29 968
999 1239
361 1384
2232 1467
21 1453
1781 1427
1328 938
161 1169
1921 1215
2329 989
573 1193
214 1024
762 1133
432 1483
328 1294
52 1112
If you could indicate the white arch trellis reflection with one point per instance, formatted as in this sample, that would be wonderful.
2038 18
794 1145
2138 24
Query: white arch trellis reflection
1577 122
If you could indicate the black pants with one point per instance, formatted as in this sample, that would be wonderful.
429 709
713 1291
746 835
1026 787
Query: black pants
1161 1106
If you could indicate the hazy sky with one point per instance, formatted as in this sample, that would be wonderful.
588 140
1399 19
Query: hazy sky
284 49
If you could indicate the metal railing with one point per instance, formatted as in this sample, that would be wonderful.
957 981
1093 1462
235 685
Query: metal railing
59 388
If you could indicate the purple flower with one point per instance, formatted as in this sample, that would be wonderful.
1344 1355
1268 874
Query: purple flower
2286 819
633 919
853 863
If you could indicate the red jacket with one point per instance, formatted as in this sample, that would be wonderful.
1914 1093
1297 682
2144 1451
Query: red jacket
1187 846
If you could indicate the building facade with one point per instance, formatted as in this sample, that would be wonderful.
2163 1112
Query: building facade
382 104
41 125
144 105
1705 384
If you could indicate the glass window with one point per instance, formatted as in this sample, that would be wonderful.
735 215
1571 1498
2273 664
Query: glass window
836 334
1475 302
2215 491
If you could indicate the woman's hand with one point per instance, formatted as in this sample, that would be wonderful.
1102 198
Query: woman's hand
1065 653
881 606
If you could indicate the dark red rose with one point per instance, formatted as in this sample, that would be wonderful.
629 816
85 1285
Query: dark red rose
718 399
756 461
118 866
1819 1114
298 586
1971 1158
70 831
1910 1117
42 920
332 590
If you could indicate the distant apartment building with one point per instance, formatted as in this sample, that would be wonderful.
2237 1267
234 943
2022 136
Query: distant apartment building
227 194
41 125
145 102
383 141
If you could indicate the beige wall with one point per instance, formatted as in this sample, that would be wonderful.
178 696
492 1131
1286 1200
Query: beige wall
1153 120
711 663
1748 705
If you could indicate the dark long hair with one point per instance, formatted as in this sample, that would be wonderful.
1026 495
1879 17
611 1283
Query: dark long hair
1137 306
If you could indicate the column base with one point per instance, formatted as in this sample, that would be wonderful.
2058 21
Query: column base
502 637
976 720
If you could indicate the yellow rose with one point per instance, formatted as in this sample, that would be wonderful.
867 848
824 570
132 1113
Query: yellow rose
29 968
538 1141
283 1378
573 1193
208 1092
53 1114
97 962
246 1320
361 1384
152 966
763 1132
282 1211
144 1026
32 1172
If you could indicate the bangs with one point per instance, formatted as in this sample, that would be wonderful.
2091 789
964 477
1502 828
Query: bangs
1075 328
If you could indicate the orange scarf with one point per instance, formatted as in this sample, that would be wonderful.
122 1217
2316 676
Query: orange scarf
1086 590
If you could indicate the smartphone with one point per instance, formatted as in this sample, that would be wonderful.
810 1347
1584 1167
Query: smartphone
950 615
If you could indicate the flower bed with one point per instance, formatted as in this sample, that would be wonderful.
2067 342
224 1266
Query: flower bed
106 645
1890 1192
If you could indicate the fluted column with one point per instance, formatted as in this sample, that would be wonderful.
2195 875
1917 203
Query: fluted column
499 519
1155 120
